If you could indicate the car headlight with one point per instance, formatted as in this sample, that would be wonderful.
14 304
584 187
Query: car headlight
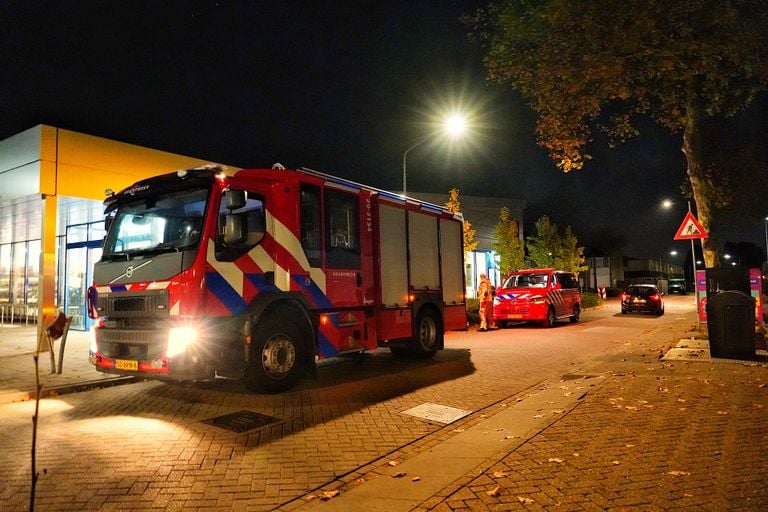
179 340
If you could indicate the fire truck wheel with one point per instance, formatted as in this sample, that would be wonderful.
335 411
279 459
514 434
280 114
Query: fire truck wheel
550 320
576 312
428 336
277 359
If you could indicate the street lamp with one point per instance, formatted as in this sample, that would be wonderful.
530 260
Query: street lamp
455 126
766 239
667 204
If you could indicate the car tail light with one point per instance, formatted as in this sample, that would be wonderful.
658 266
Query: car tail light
624 296
655 297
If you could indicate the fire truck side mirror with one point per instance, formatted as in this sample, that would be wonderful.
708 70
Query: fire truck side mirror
234 233
234 199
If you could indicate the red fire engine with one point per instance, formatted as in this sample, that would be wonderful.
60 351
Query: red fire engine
259 274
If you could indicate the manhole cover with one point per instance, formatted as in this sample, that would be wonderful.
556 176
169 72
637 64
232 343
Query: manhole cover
438 413
242 421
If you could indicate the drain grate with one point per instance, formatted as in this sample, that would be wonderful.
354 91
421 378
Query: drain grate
242 421
438 413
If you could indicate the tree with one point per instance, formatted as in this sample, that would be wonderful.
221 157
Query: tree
508 244
543 247
454 206
605 64
551 247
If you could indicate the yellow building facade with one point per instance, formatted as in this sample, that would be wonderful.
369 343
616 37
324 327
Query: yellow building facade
52 184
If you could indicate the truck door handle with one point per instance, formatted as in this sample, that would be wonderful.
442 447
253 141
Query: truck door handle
359 279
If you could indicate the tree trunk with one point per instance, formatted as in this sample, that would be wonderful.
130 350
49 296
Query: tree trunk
693 150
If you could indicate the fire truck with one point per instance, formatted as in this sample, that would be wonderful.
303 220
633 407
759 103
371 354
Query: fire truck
261 273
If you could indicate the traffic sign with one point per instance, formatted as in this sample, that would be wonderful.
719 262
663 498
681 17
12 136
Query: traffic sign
691 229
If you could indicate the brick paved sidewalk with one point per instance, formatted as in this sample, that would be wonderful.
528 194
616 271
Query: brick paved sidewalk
17 366
648 435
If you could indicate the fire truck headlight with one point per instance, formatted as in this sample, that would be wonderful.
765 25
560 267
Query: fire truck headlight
179 339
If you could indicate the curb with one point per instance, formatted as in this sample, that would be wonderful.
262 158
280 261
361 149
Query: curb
63 389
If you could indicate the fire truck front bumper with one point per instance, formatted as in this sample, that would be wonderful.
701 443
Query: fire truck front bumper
168 354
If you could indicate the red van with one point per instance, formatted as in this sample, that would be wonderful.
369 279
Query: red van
541 295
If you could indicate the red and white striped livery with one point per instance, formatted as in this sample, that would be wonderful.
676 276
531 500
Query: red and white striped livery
261 273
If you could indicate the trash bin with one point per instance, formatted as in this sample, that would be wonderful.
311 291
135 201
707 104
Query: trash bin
731 324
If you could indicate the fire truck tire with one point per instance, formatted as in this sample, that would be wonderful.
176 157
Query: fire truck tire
550 320
278 354
428 336
575 315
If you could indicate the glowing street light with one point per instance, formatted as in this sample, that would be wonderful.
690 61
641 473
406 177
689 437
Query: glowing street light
455 126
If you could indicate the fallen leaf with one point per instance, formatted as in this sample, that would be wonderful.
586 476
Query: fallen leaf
327 495
722 413
568 393
401 474
682 409
525 501
500 474
557 411
511 437
393 463
360 481
559 461
681 399
458 430
629 446
415 479
615 462
495 492
678 473
631 407
575 454
538 416
664 390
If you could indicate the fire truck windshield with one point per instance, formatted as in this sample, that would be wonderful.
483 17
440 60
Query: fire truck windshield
526 281
164 222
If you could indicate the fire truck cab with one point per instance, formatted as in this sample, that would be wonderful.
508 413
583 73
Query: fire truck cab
260 273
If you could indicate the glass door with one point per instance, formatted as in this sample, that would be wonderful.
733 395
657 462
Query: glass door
82 251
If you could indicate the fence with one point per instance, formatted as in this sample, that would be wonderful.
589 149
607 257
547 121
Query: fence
18 313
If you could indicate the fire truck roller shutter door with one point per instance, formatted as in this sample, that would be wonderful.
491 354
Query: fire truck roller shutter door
279 347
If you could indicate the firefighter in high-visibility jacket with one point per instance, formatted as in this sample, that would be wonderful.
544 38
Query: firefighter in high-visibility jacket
485 294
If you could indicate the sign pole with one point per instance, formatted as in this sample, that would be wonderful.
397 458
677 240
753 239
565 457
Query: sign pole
695 280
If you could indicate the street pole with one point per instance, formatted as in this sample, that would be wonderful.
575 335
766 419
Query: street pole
695 281
405 155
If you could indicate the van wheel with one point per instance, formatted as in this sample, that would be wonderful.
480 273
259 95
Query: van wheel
576 312
428 337
278 354
550 320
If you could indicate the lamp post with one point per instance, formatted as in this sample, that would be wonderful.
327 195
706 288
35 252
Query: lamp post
766 239
668 204
453 125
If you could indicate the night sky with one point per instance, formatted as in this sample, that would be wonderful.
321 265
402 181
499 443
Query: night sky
340 86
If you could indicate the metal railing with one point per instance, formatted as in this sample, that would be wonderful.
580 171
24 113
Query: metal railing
18 314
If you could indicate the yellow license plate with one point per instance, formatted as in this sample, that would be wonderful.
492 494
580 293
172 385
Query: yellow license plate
639 301
123 364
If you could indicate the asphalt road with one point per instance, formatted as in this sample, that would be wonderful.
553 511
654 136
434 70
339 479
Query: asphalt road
171 446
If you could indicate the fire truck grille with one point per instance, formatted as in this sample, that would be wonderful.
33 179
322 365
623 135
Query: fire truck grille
130 304
153 304
139 345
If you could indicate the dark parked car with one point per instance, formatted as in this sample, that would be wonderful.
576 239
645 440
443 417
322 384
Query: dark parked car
677 286
642 297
